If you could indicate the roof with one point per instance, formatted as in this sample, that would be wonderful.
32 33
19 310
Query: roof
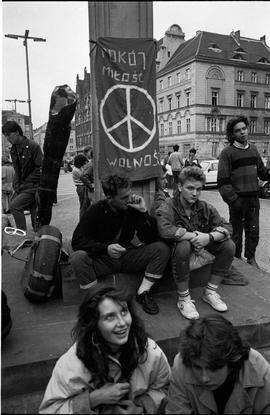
224 49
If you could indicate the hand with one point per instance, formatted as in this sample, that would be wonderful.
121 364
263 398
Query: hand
109 394
128 407
115 250
137 202
200 240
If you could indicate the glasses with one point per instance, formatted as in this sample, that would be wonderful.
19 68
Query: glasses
9 230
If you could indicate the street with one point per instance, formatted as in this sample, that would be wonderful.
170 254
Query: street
66 217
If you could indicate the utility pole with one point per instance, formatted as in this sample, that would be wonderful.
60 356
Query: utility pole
15 101
35 39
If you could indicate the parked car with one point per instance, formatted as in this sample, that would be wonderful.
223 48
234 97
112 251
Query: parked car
210 168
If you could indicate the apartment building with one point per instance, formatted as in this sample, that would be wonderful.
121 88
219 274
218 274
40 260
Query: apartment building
208 80
83 114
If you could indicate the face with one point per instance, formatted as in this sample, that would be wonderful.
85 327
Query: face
13 138
209 378
162 182
114 322
190 191
120 201
240 132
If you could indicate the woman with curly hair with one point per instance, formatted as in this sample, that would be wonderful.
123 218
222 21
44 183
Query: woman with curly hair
216 372
113 367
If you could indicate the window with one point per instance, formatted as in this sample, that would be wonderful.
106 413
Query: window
212 124
215 98
162 130
170 128
266 126
179 127
267 78
170 103
179 77
187 99
221 124
253 126
188 125
267 102
240 75
161 105
178 101
169 81
254 77
253 100
168 53
240 99
161 84
188 73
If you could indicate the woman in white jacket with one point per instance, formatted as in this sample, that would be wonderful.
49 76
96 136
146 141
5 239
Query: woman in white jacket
113 367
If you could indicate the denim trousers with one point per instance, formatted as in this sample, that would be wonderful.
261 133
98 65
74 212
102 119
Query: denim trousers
150 259
245 217
20 202
223 252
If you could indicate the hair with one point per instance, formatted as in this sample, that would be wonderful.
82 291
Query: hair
11 127
192 150
80 160
91 347
176 147
191 172
231 124
214 338
86 149
112 184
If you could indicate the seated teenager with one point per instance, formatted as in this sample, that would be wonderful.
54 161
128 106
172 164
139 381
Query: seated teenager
217 373
113 367
102 241
189 224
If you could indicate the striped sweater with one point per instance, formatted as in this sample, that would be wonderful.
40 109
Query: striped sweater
238 172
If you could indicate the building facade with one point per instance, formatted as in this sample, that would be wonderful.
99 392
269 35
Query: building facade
83 114
208 80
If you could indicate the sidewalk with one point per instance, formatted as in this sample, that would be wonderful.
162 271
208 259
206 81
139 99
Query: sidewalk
41 332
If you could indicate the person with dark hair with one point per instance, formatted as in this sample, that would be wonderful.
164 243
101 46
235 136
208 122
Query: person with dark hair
194 227
26 156
239 167
113 367
191 160
81 182
176 162
216 372
88 153
102 241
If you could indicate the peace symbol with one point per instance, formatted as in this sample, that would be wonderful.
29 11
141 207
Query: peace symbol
128 123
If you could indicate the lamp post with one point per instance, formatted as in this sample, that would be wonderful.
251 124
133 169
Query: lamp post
15 101
35 39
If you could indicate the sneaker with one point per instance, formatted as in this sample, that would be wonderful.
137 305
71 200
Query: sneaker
148 303
234 277
252 261
188 309
214 300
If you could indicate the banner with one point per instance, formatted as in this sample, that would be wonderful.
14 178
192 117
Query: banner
126 93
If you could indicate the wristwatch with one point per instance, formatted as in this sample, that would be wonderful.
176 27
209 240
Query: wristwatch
211 238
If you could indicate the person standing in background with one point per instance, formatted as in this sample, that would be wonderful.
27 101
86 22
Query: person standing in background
7 180
176 163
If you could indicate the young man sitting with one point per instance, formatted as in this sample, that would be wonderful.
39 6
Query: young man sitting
190 224
102 241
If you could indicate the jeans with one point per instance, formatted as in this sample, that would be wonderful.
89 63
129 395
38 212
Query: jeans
223 251
152 259
245 216
21 201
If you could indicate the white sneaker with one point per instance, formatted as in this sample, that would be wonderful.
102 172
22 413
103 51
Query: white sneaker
188 309
214 300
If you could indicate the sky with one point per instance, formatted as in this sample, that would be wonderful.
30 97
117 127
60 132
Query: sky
64 25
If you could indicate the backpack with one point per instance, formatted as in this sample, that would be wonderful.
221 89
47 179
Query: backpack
41 272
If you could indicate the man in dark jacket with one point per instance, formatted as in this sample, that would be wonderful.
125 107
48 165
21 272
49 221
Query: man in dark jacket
26 158
102 241
239 167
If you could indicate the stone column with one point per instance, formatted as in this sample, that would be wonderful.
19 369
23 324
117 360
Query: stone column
117 19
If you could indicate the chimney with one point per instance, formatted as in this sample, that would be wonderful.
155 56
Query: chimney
237 35
262 38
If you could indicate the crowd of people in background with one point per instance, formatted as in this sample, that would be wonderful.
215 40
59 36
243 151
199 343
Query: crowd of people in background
113 366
